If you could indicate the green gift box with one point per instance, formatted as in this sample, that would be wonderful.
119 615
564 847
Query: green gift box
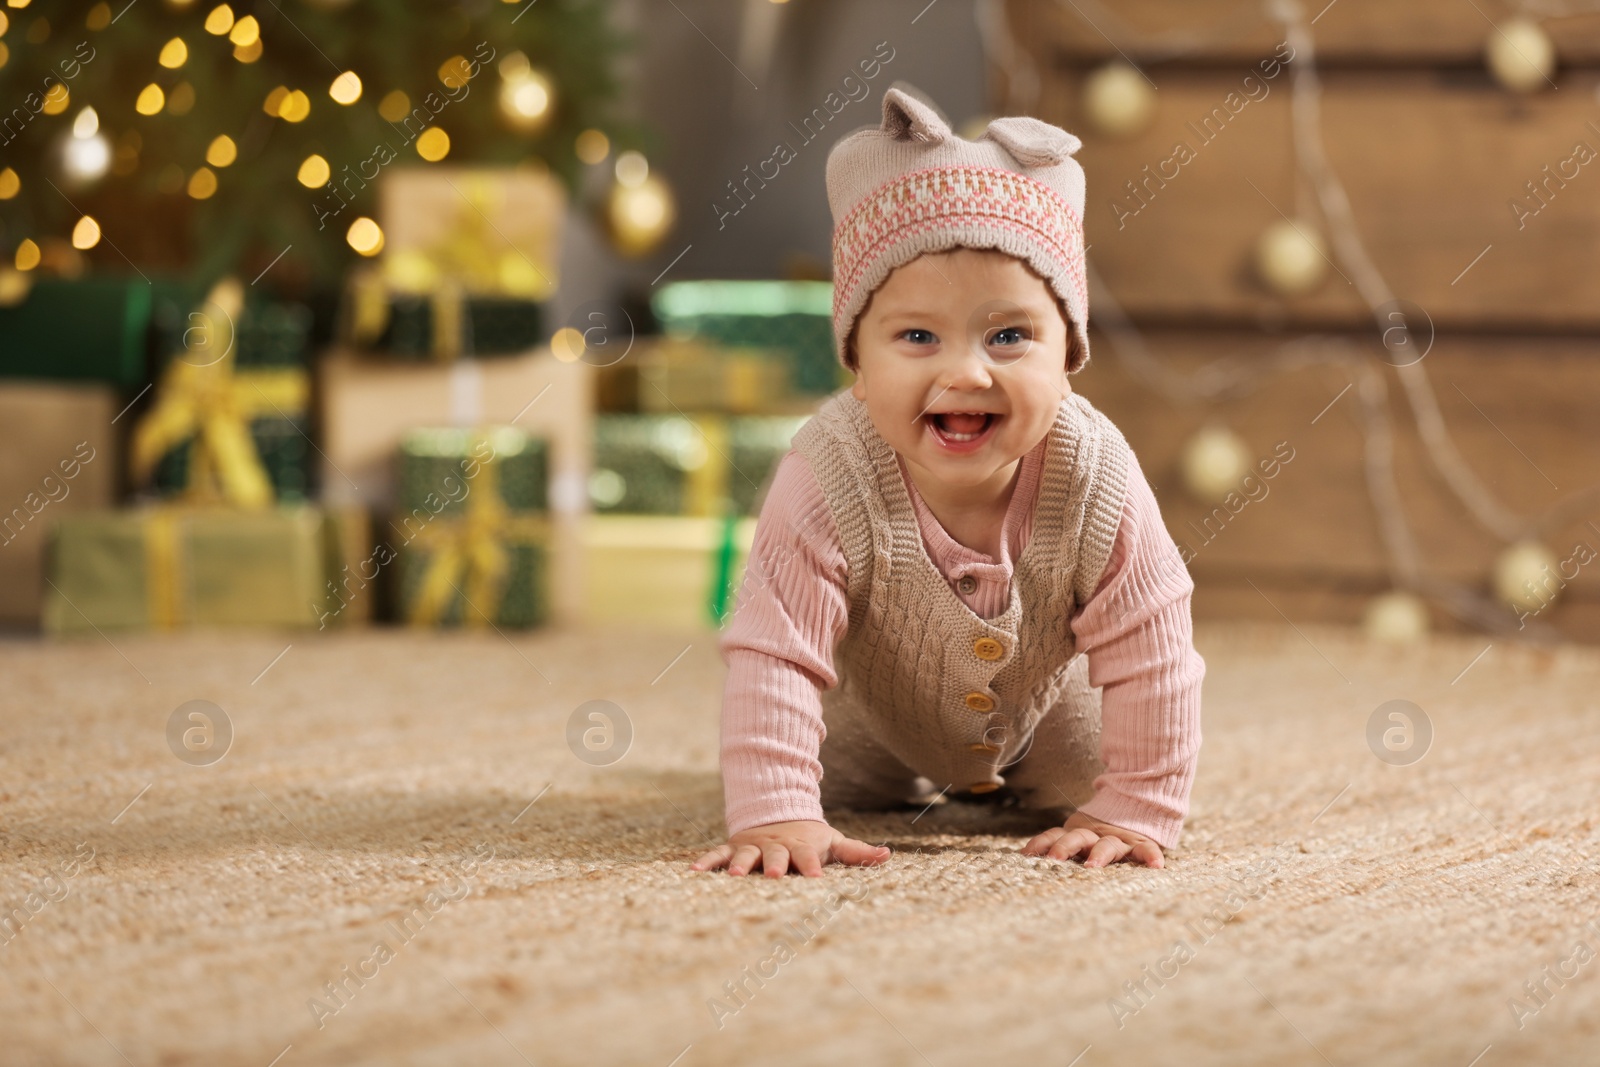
171 566
695 465
445 324
793 319
88 329
474 529
261 382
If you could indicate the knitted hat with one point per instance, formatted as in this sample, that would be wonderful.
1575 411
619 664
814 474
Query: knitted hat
912 186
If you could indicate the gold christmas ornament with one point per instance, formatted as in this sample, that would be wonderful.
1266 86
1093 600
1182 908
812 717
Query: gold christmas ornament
1118 101
1291 258
1396 619
1520 55
640 214
1525 578
1214 461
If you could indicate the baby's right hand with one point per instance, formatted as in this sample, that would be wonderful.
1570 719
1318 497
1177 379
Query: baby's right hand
806 843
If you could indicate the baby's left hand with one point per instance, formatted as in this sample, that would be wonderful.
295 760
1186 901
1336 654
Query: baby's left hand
1106 843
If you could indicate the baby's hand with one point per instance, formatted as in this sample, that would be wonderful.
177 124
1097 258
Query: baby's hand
806 843
1110 843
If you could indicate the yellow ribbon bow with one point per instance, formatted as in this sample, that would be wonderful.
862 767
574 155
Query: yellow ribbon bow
208 401
472 549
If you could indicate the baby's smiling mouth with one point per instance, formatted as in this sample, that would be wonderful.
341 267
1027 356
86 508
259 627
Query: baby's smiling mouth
958 427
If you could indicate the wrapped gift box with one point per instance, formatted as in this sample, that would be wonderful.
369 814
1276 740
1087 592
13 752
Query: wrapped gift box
670 375
490 230
691 465
794 319
439 326
58 457
169 566
88 329
205 399
369 406
474 527
663 570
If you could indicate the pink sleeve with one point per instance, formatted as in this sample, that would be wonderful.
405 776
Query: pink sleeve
792 610
1137 632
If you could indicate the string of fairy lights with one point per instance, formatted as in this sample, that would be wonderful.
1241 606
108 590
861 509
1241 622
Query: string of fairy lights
638 208
1290 258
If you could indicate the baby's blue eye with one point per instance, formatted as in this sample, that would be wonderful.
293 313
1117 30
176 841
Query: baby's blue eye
919 337
1011 335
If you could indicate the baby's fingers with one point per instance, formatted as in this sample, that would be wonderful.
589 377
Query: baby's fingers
717 857
775 860
1107 850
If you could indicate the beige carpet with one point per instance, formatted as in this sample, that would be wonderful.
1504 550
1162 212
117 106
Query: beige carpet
1324 907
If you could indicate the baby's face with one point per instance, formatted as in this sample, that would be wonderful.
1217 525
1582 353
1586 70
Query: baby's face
961 361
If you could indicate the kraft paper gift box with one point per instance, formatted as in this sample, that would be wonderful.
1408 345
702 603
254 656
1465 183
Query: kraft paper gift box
671 375
693 465
488 230
369 406
473 528
664 570
58 457
793 319
171 566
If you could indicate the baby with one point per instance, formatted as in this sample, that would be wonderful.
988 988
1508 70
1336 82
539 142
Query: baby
960 582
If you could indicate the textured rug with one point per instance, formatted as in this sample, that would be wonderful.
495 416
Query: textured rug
421 849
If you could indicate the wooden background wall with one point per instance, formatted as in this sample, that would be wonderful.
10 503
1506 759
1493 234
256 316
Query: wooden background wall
1432 151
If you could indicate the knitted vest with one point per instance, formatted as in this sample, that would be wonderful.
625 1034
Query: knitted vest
954 696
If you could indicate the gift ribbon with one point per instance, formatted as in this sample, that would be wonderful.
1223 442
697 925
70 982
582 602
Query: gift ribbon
471 551
213 404
370 297
706 485
162 569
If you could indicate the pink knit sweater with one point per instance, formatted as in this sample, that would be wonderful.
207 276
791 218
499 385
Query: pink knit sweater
793 610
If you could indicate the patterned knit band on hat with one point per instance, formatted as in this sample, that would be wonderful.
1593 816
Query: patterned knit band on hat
911 186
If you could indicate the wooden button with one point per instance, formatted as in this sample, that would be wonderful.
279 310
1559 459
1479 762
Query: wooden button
981 747
980 701
985 787
967 584
988 648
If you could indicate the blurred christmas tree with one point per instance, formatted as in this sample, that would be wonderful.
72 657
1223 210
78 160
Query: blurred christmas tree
186 136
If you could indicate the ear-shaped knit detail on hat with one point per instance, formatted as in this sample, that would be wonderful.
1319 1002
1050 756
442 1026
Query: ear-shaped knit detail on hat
1031 142
905 117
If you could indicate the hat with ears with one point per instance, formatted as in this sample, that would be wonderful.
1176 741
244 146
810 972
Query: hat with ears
910 186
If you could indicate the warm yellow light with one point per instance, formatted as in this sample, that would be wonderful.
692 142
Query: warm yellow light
86 234
5 53
27 255
394 106
5 24
57 99
525 99
275 101
246 31
222 151
365 236
295 107
346 88
181 99
202 183
593 146
87 124
455 71
220 21
567 345
151 100
632 169
248 53
313 172
10 184
16 3
174 54
433 145
99 17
